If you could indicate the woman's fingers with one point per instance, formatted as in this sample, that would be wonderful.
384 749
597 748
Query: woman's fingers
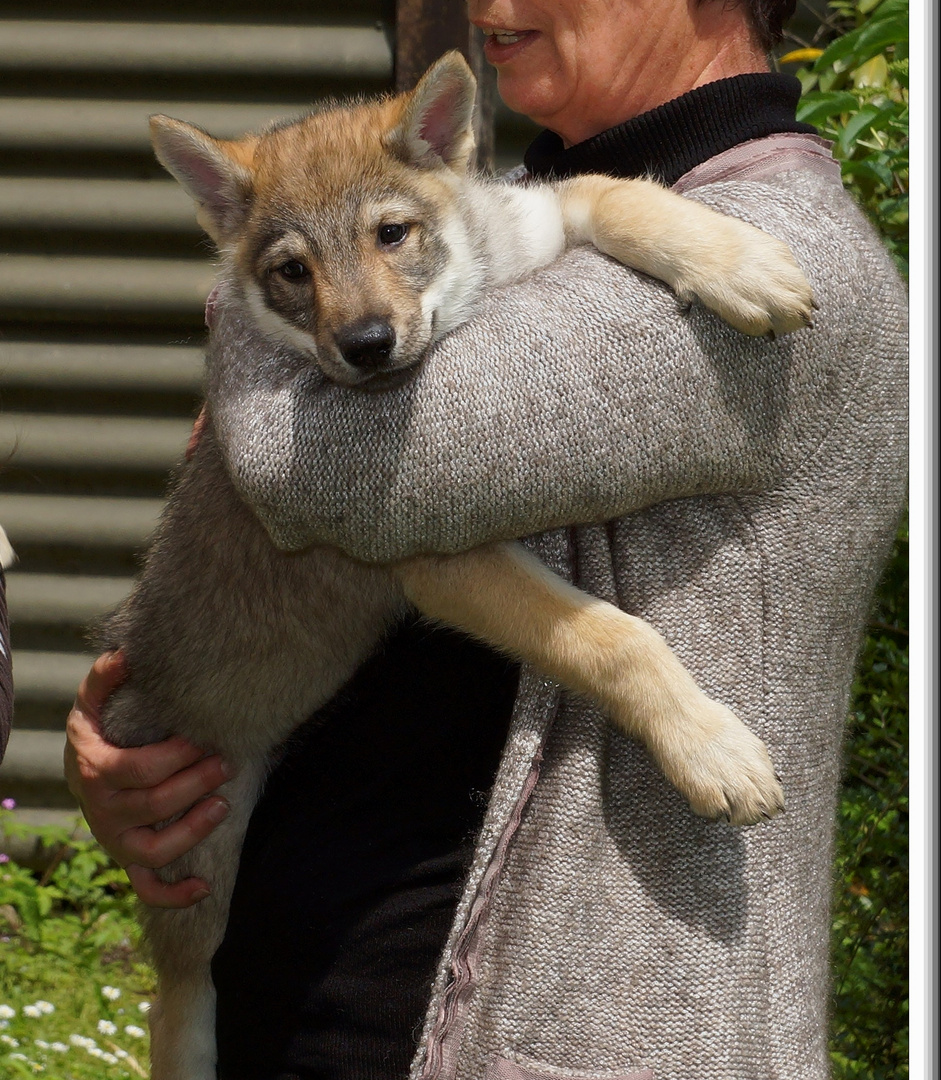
96 761
133 805
106 675
124 792
153 848
197 433
91 759
156 893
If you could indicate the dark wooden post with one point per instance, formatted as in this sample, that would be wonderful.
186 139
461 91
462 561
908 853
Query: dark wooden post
424 29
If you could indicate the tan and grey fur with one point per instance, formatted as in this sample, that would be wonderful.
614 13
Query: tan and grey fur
231 642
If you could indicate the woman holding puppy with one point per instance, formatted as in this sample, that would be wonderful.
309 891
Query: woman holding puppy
581 922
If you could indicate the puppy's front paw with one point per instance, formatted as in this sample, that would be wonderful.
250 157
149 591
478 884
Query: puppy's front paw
720 767
752 282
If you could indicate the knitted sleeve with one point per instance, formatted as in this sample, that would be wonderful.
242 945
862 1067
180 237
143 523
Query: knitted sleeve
576 396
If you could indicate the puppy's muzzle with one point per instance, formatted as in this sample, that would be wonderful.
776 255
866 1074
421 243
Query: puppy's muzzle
367 344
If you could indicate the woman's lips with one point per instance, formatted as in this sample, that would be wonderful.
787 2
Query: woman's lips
502 45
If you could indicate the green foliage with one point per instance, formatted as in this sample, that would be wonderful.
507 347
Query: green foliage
870 932
856 94
89 896
73 989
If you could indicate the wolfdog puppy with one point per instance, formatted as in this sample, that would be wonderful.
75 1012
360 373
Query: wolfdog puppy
358 236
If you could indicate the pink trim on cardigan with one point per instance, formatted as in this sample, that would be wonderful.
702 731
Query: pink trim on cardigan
761 158
502 1069
445 1037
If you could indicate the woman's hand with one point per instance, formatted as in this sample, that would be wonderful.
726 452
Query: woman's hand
124 793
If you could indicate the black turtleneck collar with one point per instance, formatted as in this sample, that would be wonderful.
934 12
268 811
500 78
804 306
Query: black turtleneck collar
668 141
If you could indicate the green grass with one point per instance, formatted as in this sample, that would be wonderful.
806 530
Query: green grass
74 989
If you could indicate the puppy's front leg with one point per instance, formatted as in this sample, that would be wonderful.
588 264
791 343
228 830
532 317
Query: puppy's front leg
745 276
503 595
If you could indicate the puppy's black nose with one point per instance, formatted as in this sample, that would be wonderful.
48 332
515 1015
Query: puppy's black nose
367 343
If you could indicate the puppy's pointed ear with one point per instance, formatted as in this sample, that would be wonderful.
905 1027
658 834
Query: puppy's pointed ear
436 125
214 173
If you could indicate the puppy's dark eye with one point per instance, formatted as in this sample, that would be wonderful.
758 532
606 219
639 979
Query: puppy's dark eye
390 235
293 270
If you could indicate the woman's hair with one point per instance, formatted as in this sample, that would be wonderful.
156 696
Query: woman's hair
767 18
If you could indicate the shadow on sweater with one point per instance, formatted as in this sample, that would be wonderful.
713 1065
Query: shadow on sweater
692 869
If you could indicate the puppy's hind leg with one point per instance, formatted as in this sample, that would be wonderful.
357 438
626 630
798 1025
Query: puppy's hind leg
182 1029
184 941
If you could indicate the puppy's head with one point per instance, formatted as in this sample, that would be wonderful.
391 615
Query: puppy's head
342 227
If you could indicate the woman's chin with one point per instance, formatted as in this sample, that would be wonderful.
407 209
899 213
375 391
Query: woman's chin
528 93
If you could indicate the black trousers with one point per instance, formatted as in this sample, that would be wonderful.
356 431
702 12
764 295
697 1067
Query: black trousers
354 862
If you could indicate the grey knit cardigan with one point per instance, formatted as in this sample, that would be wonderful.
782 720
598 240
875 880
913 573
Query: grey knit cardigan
739 494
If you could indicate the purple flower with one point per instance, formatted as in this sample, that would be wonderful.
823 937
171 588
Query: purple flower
8 804
4 857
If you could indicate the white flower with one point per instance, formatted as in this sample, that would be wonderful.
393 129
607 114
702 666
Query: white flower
144 1006
60 1047
32 1011
9 1040
112 993
18 1057
105 1027
45 1007
96 1051
41 1043
7 1012
133 1029
122 1054
109 1058
83 1041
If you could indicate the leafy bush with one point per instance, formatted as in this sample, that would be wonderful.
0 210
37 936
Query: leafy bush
856 93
